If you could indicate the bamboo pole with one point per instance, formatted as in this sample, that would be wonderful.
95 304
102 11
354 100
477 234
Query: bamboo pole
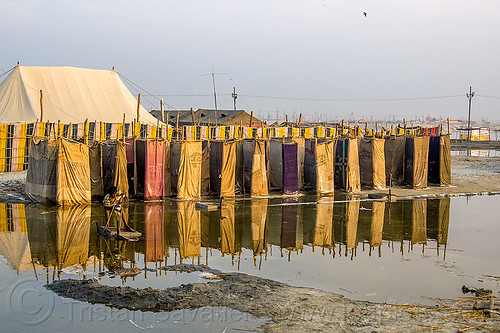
41 106
448 121
251 118
58 126
85 139
161 110
177 126
192 116
138 108
123 128
199 118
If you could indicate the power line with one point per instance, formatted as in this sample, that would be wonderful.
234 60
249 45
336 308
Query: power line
353 100
488 96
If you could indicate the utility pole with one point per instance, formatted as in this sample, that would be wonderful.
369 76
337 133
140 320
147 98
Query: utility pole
213 83
469 95
235 96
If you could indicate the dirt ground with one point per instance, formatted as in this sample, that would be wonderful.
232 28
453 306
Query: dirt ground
289 309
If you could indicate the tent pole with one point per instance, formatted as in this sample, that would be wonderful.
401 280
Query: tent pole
161 110
41 106
192 116
138 107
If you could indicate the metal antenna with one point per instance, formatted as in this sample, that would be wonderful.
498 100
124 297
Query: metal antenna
235 96
213 82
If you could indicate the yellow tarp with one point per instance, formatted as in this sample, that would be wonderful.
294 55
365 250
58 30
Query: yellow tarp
228 174
189 183
325 169
353 181
73 232
445 161
443 221
372 163
259 185
73 173
120 179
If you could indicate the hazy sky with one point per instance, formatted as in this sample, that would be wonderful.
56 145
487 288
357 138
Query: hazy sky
323 58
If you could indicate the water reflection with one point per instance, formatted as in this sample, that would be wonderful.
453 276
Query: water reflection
42 239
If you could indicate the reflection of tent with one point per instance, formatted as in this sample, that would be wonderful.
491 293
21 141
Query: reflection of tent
416 158
58 172
372 163
59 238
440 160
394 150
189 183
71 95
153 231
352 216
189 228
14 244
323 230
438 219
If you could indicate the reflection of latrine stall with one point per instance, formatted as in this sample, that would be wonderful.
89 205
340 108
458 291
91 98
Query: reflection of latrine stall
416 159
394 150
419 221
377 224
258 226
60 243
440 160
323 230
372 163
153 232
58 172
189 229
438 219
347 165
292 226
228 229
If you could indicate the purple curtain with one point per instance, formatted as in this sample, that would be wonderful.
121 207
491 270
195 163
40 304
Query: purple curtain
290 169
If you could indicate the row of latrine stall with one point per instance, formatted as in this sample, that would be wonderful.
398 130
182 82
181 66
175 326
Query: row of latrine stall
68 172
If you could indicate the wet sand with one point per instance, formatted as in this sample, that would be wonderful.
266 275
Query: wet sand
288 308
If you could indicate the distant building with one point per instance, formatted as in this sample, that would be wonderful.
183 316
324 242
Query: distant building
206 117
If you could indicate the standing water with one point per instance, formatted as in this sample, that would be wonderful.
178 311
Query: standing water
408 251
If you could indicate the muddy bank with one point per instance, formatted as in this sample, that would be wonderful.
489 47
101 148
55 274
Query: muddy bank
288 308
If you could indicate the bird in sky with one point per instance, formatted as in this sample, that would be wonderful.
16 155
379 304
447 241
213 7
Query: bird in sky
364 13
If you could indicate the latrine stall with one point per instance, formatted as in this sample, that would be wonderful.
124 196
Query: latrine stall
319 166
113 165
223 168
58 172
372 163
150 160
394 150
255 166
416 159
347 165
189 181
440 160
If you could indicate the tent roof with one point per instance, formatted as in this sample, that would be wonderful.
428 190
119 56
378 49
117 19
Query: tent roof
70 95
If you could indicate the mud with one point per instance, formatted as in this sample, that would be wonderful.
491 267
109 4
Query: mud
288 308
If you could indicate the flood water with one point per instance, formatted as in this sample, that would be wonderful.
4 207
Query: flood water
404 252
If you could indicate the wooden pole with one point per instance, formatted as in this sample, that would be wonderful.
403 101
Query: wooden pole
199 118
58 126
251 119
138 108
192 116
85 139
177 126
41 106
448 121
286 119
123 128
404 124
161 110
300 119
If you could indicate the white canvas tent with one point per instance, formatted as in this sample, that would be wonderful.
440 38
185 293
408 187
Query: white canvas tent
70 95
